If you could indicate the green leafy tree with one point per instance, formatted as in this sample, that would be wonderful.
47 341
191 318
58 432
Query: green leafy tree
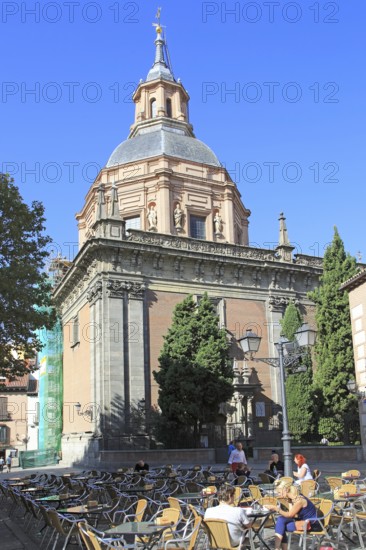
25 296
299 386
291 321
195 373
334 351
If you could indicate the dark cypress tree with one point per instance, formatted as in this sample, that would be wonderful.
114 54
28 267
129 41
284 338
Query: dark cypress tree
338 418
195 373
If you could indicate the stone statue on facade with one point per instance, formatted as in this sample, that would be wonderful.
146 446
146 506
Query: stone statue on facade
152 218
178 217
218 223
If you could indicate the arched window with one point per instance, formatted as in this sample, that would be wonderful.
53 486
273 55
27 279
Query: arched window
169 108
153 108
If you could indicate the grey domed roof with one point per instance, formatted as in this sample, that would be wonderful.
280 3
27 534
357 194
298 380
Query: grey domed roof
162 142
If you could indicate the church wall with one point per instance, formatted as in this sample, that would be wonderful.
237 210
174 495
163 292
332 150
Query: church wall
77 383
242 315
160 312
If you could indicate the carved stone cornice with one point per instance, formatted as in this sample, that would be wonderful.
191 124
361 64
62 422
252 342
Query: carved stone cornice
169 256
194 245
311 261
135 290
117 288
95 293
279 303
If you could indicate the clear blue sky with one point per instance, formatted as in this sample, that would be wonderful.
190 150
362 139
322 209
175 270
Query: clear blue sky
292 132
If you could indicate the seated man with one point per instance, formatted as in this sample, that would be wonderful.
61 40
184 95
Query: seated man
236 517
243 470
141 466
275 466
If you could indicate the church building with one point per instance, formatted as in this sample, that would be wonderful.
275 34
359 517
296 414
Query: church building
162 220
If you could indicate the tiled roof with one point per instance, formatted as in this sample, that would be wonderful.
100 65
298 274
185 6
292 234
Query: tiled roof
355 281
24 383
20 382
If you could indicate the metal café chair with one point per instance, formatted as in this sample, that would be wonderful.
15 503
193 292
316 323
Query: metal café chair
324 511
219 536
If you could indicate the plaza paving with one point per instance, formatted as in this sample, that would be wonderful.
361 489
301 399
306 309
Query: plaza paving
14 537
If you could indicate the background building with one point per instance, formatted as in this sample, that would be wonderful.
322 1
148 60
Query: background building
164 219
356 287
19 414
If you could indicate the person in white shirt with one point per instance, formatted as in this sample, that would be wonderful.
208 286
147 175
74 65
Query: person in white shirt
303 471
236 517
236 457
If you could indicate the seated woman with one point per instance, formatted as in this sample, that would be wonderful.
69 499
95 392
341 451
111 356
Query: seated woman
303 471
300 508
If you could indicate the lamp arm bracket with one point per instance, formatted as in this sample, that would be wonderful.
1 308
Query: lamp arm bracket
275 362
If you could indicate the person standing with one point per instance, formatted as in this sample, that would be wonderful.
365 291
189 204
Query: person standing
236 457
231 447
8 463
2 462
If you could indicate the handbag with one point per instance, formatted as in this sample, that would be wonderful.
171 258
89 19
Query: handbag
300 524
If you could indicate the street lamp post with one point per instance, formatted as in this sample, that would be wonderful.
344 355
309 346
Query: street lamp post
286 436
304 337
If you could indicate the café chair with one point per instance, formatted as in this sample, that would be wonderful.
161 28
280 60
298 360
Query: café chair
254 494
348 517
168 516
219 536
240 480
324 511
316 474
351 473
334 482
179 505
188 538
95 540
347 488
63 526
134 513
309 488
266 478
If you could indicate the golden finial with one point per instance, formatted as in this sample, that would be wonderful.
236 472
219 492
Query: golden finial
159 29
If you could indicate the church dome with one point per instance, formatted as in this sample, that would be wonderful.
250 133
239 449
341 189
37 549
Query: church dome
162 141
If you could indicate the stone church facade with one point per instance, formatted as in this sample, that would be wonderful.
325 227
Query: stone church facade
162 220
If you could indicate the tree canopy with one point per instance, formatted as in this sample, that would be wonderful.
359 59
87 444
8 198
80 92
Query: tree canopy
25 294
334 350
195 373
